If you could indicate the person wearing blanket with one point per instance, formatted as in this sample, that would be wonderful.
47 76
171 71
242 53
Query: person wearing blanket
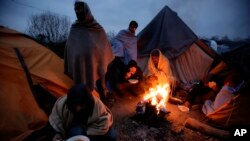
159 71
82 113
124 43
228 91
87 51
78 115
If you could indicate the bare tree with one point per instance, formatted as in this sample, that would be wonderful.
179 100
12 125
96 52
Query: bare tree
48 27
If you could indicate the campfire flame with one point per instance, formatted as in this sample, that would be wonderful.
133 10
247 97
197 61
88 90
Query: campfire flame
158 96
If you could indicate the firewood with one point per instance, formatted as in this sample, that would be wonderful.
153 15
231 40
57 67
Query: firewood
206 129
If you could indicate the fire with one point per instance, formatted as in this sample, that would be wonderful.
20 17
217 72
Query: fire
158 96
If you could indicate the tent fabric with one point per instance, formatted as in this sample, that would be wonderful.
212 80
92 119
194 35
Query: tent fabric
240 115
223 114
224 95
233 113
191 59
209 51
166 32
20 111
190 65
239 59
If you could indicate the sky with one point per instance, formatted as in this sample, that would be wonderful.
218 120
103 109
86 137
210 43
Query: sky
207 18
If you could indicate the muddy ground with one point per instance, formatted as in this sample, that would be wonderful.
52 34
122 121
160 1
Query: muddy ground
171 127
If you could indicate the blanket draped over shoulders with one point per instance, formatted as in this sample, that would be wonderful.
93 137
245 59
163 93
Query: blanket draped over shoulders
87 53
98 123
162 71
125 45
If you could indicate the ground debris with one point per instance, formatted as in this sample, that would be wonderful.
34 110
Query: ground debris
130 126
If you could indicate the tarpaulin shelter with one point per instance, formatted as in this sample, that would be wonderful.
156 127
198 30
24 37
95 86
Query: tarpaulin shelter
190 58
23 64
235 113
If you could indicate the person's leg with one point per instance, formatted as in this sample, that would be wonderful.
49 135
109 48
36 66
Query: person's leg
101 88
109 136
122 89
136 89
75 130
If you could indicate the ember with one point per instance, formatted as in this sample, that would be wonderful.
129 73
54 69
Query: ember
147 114
157 97
146 108
153 106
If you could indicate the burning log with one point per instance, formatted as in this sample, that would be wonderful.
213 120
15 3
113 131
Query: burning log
140 108
149 115
158 97
152 109
146 108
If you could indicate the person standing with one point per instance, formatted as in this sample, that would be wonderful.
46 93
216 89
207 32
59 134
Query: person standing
88 51
125 43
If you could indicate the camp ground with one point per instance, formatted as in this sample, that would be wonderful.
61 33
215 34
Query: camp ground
191 59
32 78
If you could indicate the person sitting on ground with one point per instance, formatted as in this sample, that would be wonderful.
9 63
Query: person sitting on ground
202 91
135 70
131 79
159 70
118 76
226 93
115 70
79 113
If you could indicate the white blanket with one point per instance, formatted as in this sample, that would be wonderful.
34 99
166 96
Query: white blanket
125 45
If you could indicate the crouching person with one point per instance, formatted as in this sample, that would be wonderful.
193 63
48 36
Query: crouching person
229 90
81 113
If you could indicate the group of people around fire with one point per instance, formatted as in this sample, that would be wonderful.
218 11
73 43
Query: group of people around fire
97 68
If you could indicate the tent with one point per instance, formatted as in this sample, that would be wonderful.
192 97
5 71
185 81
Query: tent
23 64
236 112
189 57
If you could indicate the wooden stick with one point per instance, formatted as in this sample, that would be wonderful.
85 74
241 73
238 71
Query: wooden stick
206 129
